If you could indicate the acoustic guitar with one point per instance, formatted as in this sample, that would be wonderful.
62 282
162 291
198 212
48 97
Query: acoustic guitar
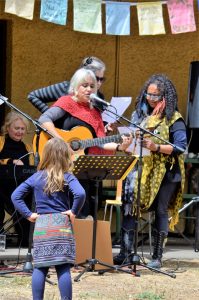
79 139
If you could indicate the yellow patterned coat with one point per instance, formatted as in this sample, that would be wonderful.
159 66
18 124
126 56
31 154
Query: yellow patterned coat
154 169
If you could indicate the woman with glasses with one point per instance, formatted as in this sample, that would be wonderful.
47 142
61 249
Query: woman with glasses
40 97
163 175
74 111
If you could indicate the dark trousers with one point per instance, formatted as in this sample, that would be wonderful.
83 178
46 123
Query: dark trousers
159 206
22 225
161 203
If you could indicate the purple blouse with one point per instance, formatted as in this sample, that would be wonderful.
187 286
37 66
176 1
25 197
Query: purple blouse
72 197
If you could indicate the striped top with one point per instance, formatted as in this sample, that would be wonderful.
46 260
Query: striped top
51 93
39 98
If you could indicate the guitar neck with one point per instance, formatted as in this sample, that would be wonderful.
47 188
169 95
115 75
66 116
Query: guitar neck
99 141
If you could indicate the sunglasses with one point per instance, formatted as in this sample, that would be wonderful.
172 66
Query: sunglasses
101 79
153 97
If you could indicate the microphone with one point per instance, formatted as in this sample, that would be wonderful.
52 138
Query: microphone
97 100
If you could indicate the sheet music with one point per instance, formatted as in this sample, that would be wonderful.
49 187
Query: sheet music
119 106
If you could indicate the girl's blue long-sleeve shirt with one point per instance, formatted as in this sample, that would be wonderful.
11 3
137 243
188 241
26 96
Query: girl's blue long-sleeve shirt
72 197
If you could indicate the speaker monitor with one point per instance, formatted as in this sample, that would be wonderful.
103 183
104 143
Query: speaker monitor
193 96
192 118
83 230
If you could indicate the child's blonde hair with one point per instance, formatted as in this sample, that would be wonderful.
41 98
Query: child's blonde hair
56 160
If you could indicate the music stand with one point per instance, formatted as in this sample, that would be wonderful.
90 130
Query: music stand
98 168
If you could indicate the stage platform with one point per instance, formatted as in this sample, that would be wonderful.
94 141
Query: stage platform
176 248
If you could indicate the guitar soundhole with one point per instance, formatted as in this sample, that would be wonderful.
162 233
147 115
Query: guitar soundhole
75 145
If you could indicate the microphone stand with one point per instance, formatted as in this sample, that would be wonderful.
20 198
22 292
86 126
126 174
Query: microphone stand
136 258
142 129
28 266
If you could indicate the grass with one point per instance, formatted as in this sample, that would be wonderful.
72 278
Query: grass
149 296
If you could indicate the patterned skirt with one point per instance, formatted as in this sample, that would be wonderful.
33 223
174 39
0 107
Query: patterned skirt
53 241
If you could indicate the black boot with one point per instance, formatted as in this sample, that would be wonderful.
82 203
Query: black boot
159 238
127 238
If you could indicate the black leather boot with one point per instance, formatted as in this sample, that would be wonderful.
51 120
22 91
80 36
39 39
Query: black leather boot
127 238
159 238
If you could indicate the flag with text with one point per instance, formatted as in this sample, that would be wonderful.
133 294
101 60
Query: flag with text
181 16
87 16
150 18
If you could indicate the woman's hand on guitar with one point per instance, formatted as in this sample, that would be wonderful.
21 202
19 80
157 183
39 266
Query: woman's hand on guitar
126 141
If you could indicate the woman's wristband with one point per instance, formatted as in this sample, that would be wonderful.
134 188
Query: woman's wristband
158 149
117 148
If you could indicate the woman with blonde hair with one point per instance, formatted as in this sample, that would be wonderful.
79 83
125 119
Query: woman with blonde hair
75 110
12 147
55 189
13 151
40 97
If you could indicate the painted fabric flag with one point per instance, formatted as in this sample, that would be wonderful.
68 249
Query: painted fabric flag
21 8
181 16
150 18
54 11
87 15
118 18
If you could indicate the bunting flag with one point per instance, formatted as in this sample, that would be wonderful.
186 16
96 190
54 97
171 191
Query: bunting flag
87 15
21 8
54 11
181 15
118 18
150 18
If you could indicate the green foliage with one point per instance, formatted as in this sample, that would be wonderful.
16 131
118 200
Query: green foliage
149 296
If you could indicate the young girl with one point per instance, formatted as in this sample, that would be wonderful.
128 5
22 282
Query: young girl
54 189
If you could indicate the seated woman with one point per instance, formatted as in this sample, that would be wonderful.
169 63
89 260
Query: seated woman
13 151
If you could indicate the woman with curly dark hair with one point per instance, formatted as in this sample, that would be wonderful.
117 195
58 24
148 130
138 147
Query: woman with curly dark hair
163 175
